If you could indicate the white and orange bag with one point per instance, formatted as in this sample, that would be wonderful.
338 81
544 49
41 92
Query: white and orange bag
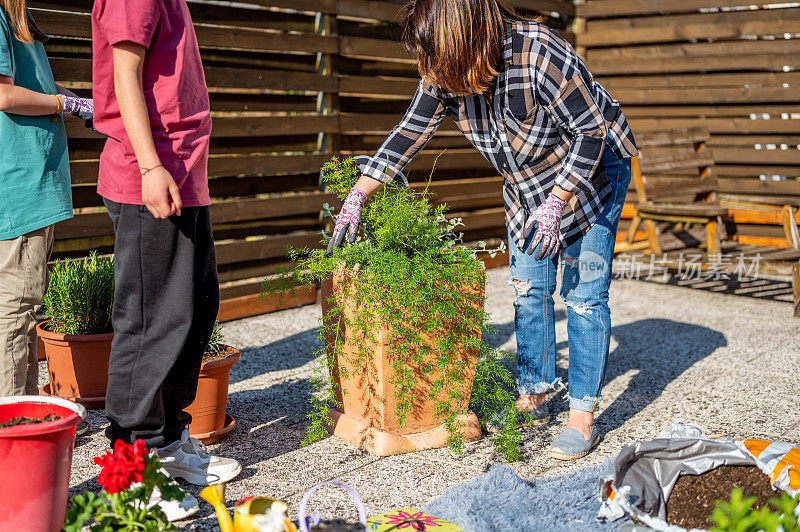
644 473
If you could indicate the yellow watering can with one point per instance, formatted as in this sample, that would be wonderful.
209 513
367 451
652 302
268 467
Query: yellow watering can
254 514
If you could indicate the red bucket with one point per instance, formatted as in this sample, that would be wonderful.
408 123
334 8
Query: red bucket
35 461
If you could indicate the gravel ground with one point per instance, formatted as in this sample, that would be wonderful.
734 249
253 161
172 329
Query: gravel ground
727 361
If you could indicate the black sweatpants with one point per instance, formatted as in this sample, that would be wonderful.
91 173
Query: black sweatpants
166 300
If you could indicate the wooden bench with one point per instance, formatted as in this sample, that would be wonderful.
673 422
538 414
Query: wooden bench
676 192
674 184
768 210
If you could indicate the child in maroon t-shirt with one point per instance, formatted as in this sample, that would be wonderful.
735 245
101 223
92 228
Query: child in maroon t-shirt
152 103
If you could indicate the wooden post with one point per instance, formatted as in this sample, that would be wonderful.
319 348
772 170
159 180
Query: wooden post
796 288
652 236
636 221
327 102
790 227
578 26
641 197
638 179
712 240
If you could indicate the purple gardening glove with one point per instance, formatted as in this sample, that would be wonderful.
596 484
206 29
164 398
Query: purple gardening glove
348 220
83 108
547 218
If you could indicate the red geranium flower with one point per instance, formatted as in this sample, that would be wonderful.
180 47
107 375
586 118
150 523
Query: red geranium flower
123 466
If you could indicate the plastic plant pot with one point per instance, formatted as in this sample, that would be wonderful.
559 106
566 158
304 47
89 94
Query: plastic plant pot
77 366
35 461
210 421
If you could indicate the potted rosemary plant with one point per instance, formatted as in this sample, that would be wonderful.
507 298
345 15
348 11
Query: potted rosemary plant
77 333
403 313
210 420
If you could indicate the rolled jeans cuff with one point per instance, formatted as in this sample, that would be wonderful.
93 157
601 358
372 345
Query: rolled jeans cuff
586 404
540 387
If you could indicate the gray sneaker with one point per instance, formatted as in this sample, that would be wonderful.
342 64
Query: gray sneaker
173 510
570 444
188 459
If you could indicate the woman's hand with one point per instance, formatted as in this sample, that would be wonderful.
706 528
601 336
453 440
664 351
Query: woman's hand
349 219
83 108
547 218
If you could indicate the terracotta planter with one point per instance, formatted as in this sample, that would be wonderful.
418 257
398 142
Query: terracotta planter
40 346
369 417
210 422
77 366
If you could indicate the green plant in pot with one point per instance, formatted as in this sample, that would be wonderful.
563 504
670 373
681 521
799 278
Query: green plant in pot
210 420
77 333
403 367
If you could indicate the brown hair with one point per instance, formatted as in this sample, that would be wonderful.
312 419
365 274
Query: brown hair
459 43
22 24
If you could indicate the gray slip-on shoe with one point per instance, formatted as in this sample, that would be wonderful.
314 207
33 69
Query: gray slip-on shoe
570 444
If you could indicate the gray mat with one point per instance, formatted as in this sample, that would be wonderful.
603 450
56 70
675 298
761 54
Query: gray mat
501 500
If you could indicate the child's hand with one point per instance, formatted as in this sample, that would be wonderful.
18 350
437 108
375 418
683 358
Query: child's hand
160 194
83 108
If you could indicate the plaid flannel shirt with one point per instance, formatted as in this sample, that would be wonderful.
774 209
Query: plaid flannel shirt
546 124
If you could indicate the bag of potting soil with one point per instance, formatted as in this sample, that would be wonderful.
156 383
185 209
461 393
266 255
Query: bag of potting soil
645 473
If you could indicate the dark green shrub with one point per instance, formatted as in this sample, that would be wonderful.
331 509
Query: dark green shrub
411 279
80 296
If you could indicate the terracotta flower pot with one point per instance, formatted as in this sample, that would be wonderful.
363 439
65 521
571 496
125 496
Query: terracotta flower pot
369 417
210 422
40 347
77 366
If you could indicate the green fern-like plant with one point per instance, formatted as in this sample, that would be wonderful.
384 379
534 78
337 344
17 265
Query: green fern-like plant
80 295
414 279
216 342
738 514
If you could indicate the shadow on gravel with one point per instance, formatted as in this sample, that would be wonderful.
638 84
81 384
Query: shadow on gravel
289 353
285 401
659 351
756 288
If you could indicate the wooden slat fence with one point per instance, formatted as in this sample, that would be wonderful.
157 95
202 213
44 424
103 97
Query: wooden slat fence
291 82
730 65
265 73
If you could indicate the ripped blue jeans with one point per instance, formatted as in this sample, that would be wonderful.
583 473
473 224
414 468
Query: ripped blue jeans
586 277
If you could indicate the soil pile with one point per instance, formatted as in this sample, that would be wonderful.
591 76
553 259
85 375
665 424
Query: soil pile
22 420
693 498
211 357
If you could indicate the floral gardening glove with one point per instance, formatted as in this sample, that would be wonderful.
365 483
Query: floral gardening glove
547 218
348 220
83 108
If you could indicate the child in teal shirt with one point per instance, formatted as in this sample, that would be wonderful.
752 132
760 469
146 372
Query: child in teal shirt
34 187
